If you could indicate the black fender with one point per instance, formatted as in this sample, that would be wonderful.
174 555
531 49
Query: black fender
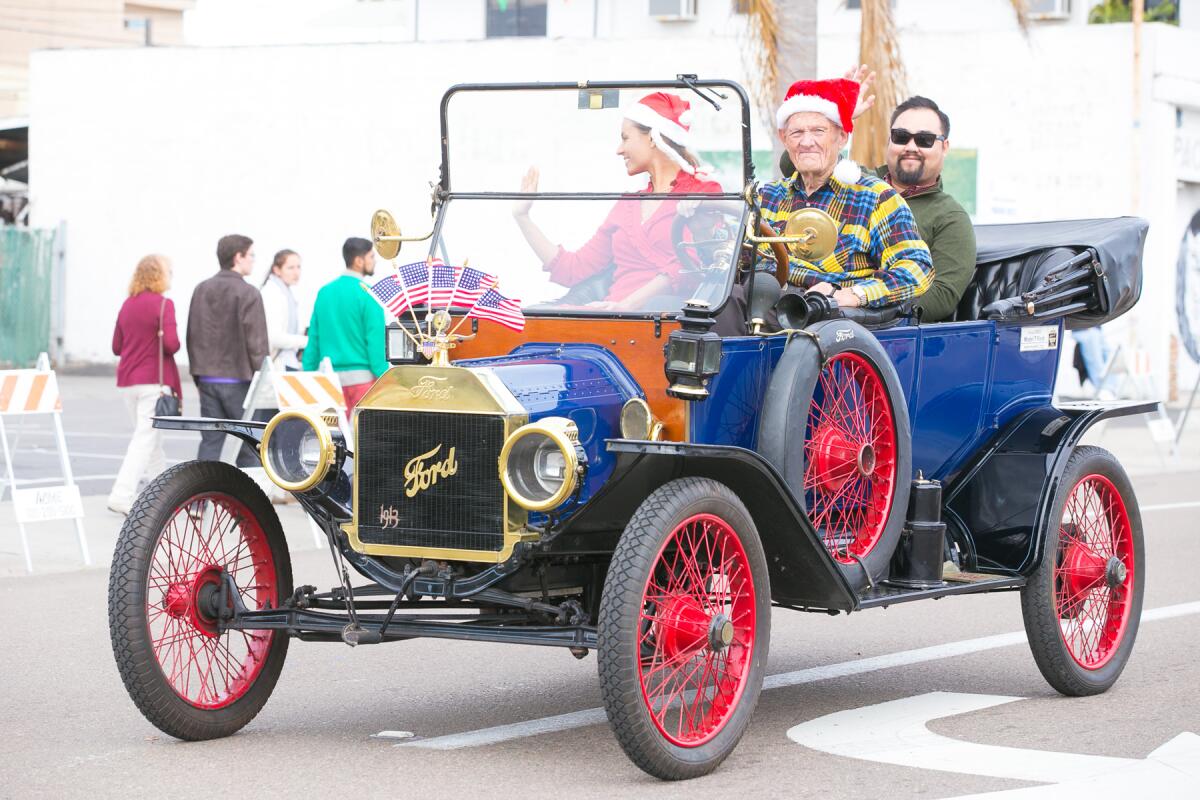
335 493
784 419
802 572
999 506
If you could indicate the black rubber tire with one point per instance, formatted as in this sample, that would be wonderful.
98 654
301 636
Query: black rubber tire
783 426
1038 607
129 625
620 616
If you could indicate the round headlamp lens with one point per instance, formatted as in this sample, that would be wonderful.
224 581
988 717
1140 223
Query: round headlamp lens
536 467
294 451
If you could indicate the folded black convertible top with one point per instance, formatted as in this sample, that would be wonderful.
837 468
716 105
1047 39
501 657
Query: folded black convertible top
1117 244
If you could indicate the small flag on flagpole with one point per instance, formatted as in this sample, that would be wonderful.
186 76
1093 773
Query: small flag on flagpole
415 278
500 309
442 280
470 286
389 293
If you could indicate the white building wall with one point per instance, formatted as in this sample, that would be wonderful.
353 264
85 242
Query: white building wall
168 149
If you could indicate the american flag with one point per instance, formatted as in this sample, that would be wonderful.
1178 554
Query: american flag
442 280
415 278
471 285
498 308
388 292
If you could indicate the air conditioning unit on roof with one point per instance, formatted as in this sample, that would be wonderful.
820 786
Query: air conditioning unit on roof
1049 9
673 10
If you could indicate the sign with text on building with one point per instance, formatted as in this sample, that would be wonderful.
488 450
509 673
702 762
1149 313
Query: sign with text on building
47 502
1187 146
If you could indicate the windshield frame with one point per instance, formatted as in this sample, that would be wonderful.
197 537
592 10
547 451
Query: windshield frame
689 83
444 193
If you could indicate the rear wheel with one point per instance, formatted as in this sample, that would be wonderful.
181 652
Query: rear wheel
850 473
684 629
1083 603
199 533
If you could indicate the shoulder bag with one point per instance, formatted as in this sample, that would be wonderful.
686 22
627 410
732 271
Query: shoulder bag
167 404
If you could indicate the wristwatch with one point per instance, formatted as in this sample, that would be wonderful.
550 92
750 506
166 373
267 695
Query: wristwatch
861 294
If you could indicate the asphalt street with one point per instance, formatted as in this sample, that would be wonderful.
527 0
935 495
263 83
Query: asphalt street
510 721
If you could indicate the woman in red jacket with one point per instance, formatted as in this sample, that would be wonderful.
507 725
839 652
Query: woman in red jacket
146 341
636 236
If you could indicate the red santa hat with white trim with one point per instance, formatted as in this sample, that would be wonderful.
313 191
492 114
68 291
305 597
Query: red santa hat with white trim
835 99
666 115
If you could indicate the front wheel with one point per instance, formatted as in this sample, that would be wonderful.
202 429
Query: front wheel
684 629
198 533
1083 603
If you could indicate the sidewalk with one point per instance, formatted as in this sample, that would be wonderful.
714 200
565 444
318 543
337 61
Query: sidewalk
55 546
55 549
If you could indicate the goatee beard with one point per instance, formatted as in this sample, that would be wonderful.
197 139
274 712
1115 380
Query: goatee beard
910 177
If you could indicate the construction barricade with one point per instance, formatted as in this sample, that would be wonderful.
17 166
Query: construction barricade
23 393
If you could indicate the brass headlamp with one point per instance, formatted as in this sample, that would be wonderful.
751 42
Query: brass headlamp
298 449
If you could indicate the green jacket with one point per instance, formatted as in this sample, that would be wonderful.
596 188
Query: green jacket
348 326
946 228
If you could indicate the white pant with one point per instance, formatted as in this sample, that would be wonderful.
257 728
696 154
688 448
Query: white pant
144 457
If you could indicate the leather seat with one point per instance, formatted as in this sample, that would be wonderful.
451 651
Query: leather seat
1000 279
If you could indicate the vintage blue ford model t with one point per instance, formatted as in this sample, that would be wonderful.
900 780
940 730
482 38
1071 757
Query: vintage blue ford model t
618 477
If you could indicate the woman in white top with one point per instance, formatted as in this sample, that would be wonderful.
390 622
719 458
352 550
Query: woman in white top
283 312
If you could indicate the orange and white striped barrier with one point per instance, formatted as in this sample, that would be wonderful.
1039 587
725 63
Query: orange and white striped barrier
25 392
29 391
315 390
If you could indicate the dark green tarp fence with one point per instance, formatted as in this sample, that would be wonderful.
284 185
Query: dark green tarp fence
26 267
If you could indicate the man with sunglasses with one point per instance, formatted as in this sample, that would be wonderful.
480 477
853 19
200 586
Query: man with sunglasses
915 155
916 152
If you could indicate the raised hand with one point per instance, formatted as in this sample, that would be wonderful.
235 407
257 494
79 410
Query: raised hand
864 76
529 183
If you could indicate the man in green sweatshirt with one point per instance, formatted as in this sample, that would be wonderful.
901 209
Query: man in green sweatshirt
916 151
917 146
348 326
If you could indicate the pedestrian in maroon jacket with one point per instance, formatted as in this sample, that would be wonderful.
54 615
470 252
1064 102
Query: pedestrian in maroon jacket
145 332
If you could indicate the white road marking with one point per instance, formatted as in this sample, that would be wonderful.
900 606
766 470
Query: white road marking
895 733
595 716
1171 506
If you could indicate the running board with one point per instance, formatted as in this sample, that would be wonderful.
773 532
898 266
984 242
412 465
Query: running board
885 594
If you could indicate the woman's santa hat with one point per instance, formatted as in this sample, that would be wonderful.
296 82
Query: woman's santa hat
666 115
834 99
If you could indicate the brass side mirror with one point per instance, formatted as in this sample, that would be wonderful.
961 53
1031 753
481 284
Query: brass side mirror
385 233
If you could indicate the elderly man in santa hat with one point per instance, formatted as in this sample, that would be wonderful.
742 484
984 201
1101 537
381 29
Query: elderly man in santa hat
880 258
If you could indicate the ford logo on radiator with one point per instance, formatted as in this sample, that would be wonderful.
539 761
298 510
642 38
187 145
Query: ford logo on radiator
420 473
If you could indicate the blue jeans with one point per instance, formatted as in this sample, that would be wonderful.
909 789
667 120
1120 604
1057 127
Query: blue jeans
1096 351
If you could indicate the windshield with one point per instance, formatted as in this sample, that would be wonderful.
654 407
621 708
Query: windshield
655 177
630 255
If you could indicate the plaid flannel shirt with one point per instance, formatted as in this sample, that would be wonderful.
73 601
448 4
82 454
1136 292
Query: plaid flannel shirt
878 246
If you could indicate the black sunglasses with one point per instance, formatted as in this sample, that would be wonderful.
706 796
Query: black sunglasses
925 140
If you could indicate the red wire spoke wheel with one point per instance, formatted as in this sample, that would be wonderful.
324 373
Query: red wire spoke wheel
697 631
850 457
209 536
201 536
1083 603
1093 574
684 629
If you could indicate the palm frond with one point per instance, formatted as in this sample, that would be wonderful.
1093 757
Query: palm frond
879 49
762 55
